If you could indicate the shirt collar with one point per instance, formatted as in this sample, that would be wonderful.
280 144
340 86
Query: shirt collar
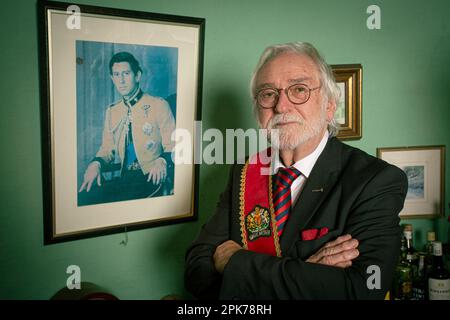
306 164
134 98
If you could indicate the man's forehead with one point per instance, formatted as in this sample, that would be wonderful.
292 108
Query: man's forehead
122 65
291 67
305 79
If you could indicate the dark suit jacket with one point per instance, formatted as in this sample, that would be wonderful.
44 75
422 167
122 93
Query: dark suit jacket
362 196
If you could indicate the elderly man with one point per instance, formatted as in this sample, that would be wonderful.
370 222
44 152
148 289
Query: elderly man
136 140
327 218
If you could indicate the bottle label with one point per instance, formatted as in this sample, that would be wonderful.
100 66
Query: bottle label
439 289
437 248
418 293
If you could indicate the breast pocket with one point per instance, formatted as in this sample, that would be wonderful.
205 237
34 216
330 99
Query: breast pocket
306 248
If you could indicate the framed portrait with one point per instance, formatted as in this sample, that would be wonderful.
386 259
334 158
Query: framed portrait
424 167
348 110
115 87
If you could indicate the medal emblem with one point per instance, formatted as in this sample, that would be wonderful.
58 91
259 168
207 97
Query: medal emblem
257 223
146 108
147 128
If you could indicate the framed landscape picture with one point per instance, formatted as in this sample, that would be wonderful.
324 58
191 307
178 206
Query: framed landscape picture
115 86
348 110
424 167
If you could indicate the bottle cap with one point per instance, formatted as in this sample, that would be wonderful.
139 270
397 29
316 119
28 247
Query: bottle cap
431 236
408 227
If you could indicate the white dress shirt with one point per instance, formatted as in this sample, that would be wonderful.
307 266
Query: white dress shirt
304 165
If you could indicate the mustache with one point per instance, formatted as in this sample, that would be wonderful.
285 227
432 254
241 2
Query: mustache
284 118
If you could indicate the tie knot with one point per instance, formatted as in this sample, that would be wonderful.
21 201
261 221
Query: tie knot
287 175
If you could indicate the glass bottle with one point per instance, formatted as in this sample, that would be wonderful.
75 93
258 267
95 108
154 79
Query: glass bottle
419 285
402 286
439 278
431 237
411 254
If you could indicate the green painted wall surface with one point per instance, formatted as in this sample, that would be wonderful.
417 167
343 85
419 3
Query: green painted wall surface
405 103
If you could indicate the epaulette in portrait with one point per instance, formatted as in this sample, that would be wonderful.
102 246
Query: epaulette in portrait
114 104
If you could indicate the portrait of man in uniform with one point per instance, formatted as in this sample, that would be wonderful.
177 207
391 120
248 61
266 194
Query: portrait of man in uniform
127 154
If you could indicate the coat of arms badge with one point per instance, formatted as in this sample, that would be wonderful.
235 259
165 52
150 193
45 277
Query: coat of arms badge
257 223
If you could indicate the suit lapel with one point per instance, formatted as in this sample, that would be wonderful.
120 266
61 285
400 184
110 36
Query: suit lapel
317 187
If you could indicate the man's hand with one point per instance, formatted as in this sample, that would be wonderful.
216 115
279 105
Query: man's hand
338 253
92 173
158 172
223 254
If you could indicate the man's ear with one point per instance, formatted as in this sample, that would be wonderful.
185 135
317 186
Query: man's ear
138 75
331 109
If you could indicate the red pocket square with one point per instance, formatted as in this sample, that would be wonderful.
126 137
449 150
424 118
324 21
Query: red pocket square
314 234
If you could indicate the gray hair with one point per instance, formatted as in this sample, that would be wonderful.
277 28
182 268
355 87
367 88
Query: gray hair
327 80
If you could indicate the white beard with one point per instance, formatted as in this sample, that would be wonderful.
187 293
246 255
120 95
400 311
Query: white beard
295 134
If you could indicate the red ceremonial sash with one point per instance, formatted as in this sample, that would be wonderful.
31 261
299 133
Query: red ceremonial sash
258 227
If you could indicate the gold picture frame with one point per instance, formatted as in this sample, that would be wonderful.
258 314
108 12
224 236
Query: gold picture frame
424 167
348 110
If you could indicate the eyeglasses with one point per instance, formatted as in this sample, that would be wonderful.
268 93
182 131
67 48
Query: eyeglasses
298 93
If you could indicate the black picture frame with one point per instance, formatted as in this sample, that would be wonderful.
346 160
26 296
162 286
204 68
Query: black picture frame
64 218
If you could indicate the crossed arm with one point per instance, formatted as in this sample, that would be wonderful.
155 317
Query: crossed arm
338 253
219 266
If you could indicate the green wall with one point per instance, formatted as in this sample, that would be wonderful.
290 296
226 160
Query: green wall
405 103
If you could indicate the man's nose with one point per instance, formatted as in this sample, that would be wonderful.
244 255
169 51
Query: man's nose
283 104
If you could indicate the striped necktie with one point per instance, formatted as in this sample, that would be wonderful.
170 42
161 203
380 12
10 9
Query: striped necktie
282 195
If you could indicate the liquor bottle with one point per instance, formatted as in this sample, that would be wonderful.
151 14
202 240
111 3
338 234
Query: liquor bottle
402 285
411 254
419 285
431 237
439 278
